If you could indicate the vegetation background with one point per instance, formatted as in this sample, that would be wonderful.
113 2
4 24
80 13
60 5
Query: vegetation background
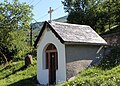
14 30
102 15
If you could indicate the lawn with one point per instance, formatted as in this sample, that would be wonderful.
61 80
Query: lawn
97 77
15 74
105 74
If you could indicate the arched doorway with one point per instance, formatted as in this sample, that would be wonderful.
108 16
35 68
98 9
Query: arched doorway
51 62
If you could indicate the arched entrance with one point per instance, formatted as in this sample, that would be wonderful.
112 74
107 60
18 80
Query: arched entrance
51 62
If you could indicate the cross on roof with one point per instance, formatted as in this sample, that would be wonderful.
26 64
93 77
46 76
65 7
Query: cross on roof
50 12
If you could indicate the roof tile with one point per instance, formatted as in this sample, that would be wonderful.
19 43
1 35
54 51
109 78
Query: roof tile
77 33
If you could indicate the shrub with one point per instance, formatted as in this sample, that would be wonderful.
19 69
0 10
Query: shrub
112 60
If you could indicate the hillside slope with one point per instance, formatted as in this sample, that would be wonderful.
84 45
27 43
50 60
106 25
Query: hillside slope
15 75
97 77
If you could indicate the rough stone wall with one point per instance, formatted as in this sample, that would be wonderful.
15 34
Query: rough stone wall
80 57
112 39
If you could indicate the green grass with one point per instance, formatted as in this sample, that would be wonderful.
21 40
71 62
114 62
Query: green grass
105 74
15 75
97 77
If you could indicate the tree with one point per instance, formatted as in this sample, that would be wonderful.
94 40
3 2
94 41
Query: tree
82 11
14 23
113 10
99 14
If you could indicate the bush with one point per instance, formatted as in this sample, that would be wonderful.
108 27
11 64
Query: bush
112 60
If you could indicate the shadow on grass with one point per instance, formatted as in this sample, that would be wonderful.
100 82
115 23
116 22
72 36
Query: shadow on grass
26 82
21 68
9 66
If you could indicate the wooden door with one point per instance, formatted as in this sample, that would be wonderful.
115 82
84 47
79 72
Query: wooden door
52 68
51 63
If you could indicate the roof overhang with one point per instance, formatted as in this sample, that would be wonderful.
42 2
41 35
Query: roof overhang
85 43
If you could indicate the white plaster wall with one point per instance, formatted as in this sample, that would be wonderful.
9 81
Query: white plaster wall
42 74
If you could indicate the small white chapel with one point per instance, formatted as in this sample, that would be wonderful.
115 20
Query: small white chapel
64 49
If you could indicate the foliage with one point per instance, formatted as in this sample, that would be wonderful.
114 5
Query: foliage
14 22
101 15
82 11
14 75
114 9
114 29
111 60
110 10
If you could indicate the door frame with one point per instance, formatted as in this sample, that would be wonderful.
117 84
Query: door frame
56 62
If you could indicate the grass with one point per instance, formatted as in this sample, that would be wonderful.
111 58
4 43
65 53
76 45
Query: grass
105 74
97 77
15 74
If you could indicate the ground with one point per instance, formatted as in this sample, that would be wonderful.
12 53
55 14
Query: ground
14 74
97 77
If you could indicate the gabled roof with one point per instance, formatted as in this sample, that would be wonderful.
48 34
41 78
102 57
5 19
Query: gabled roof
73 33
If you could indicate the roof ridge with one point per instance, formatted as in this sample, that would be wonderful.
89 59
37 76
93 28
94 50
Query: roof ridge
52 22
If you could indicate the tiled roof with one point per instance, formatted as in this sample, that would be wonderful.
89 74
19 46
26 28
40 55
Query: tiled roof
73 33
77 33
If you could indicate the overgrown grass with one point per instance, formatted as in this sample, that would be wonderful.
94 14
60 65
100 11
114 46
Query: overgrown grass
16 75
96 77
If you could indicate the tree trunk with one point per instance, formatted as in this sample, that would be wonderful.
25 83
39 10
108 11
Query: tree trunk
4 58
